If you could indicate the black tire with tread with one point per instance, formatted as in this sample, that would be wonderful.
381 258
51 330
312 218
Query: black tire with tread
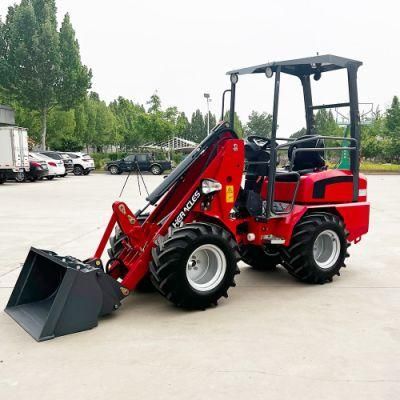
258 259
298 258
114 170
156 169
168 268
78 170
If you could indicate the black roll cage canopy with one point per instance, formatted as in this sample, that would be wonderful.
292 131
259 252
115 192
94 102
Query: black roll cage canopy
303 68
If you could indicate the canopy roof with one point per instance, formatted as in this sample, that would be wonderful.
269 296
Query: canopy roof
301 66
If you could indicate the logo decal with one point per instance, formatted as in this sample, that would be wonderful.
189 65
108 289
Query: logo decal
185 211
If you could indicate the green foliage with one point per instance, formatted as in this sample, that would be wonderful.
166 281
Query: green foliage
326 125
238 126
259 124
40 66
75 78
61 128
198 129
393 118
380 140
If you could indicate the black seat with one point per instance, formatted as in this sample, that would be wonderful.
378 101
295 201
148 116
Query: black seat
257 160
307 160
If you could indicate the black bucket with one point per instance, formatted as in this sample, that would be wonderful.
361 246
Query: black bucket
56 295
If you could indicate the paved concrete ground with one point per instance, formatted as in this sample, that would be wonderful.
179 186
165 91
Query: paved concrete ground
274 338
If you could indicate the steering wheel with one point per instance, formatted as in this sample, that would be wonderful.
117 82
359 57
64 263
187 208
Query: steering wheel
260 141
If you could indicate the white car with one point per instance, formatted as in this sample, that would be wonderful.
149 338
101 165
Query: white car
56 167
83 163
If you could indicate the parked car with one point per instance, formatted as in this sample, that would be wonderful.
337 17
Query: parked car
55 155
134 162
37 170
83 163
68 162
56 167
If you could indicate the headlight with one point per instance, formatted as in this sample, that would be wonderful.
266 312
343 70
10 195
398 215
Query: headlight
210 186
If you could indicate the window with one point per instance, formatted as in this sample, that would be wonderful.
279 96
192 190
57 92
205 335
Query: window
54 156
141 157
129 158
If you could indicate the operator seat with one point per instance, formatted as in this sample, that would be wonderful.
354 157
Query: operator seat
257 166
249 201
307 161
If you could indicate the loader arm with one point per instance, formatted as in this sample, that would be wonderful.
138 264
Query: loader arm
179 198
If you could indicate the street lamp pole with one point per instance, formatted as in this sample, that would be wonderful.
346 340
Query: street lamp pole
208 99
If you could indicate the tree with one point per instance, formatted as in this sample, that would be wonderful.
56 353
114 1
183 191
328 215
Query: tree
198 130
127 122
75 78
154 103
259 124
61 129
393 118
182 126
238 126
40 66
326 125
213 120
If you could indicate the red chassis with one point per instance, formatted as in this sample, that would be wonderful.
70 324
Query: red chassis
223 162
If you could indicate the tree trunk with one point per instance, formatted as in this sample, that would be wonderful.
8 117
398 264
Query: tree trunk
44 128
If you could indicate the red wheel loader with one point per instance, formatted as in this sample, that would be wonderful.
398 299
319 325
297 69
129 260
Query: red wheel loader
201 220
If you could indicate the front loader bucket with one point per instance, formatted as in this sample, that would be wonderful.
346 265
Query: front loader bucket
56 295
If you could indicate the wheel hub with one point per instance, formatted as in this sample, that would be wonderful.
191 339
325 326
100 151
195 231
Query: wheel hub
206 267
326 249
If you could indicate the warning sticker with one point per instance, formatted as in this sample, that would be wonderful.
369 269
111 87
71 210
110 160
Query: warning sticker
230 194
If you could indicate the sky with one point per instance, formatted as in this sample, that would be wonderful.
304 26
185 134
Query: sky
182 49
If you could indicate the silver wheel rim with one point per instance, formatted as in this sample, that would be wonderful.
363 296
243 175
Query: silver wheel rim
326 249
156 170
113 170
206 267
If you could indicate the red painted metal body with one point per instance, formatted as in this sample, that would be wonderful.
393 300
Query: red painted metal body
224 162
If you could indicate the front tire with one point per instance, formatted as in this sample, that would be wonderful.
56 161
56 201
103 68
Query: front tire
20 177
114 170
318 248
195 265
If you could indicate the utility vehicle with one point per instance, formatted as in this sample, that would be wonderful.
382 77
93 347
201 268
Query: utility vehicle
200 221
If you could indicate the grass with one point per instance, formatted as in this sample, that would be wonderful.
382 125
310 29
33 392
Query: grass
367 166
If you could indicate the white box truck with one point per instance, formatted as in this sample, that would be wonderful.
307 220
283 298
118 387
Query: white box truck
14 152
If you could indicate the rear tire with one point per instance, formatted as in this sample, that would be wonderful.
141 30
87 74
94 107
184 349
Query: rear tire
155 170
86 173
318 248
50 178
195 265
78 170
259 259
